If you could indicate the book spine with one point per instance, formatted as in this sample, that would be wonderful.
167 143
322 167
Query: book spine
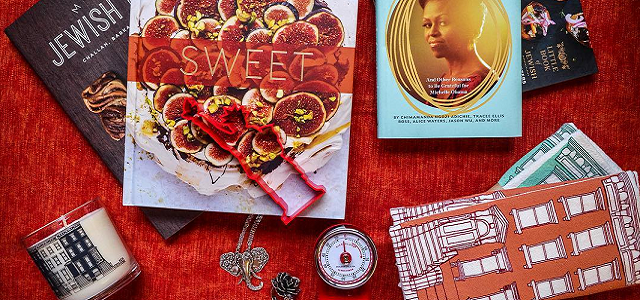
380 59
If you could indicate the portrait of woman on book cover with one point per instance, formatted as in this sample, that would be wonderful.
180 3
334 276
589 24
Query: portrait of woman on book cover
451 30
448 54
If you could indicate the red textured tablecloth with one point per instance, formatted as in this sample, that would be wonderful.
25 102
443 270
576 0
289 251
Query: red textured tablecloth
48 168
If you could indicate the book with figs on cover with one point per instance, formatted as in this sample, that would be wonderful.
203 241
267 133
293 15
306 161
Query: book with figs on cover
555 43
79 50
448 69
206 77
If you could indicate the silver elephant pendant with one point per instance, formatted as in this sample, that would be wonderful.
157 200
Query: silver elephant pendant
246 265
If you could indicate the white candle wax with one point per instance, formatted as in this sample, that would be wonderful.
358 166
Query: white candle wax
84 258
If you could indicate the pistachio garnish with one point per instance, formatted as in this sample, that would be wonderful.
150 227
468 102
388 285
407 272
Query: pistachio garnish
245 17
192 21
149 128
213 107
302 116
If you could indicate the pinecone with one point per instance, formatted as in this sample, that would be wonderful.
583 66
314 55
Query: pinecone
286 285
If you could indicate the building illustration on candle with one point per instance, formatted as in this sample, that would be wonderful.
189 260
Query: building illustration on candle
70 261
569 243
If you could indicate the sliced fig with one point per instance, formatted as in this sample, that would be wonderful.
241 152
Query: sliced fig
279 14
193 10
231 34
306 59
293 37
326 73
182 138
173 76
158 30
253 8
304 7
298 33
173 108
156 64
215 106
200 135
266 142
245 145
165 7
330 29
227 8
260 111
163 94
266 149
217 155
329 94
259 36
234 31
300 114
276 85
204 32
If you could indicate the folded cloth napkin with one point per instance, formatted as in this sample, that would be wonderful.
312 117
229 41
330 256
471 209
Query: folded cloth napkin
552 241
568 154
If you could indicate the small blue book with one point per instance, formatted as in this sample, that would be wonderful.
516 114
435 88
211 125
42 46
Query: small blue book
449 68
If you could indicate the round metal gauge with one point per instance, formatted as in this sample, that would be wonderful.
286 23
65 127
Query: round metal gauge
345 257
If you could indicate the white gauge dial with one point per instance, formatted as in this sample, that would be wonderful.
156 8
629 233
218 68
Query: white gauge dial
345 257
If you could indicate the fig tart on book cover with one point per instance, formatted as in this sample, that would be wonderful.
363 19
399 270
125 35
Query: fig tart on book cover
286 65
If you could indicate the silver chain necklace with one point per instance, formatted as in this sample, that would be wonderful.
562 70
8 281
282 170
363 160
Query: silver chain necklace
247 264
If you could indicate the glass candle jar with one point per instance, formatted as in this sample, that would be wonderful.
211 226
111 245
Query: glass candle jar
81 254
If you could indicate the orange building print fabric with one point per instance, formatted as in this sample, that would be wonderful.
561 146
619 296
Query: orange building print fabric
548 242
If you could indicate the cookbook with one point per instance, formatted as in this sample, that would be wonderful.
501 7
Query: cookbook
555 43
448 69
286 64
79 50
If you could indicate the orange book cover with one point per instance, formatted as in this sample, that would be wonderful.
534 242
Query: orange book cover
557 241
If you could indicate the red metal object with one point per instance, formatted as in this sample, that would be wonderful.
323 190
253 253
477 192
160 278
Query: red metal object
194 112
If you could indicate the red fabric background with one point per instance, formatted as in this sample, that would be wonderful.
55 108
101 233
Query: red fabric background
48 168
